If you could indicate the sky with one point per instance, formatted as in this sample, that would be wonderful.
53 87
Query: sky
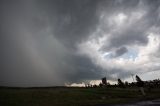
59 42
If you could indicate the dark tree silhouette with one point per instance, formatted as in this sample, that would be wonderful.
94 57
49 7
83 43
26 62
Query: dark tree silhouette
104 81
126 83
100 85
120 83
140 83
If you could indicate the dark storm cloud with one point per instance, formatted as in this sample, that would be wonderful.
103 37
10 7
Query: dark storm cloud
37 41
85 70
136 33
129 37
39 38
119 52
73 20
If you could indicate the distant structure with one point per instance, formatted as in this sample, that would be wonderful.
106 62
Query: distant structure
104 81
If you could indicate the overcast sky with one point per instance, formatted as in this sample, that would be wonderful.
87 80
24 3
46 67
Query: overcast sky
54 42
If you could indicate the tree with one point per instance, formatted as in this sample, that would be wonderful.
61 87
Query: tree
104 81
138 79
120 83
126 83
140 83
100 85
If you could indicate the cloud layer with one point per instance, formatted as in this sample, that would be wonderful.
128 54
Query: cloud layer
53 42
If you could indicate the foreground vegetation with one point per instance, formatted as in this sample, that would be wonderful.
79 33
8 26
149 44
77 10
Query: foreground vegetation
65 96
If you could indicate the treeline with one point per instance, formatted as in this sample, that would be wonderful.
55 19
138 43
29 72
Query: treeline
139 83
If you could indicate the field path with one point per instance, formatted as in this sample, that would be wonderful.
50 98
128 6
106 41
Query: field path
143 103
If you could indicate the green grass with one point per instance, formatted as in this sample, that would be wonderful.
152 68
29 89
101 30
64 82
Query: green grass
72 96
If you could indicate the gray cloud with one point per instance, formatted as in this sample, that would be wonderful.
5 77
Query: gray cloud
119 52
39 38
39 41
132 33
72 21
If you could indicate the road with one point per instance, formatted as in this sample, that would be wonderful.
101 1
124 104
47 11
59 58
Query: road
144 103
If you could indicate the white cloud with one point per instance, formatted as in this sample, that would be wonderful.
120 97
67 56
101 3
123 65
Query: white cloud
145 61
120 18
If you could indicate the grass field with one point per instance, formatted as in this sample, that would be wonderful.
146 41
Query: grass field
63 96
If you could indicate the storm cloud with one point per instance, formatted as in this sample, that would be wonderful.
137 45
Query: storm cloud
119 52
53 42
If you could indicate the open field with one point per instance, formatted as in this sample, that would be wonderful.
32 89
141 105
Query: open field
63 96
